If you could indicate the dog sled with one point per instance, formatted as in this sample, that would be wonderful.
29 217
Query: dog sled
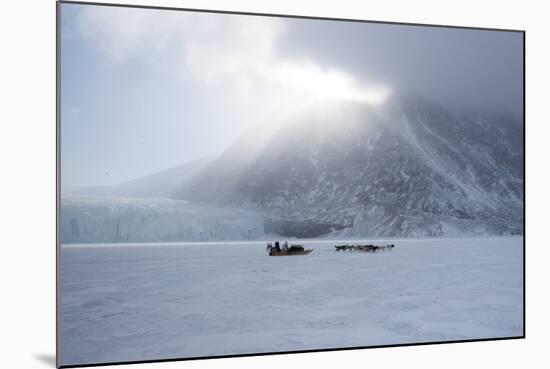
286 250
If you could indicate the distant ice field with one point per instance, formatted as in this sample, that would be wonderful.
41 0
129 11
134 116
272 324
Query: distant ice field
161 301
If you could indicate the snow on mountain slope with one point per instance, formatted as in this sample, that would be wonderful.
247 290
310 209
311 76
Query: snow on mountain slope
218 178
109 220
408 168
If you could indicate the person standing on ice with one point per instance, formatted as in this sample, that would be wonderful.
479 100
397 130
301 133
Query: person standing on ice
285 246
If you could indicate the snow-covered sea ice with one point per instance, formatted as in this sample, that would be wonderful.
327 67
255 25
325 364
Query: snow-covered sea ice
155 301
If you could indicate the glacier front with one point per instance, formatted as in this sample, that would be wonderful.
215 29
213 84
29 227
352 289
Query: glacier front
87 219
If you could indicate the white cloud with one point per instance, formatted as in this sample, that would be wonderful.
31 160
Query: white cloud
233 55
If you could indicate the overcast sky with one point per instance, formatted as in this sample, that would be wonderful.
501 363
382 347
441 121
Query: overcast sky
145 90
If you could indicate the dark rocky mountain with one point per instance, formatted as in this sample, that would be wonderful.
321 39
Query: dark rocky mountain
406 168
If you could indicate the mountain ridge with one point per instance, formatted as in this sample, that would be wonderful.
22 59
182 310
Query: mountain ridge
408 168
161 184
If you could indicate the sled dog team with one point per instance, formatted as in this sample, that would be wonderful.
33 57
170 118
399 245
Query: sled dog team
363 248
350 248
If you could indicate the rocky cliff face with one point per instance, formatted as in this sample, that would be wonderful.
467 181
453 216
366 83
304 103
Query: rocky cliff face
407 168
